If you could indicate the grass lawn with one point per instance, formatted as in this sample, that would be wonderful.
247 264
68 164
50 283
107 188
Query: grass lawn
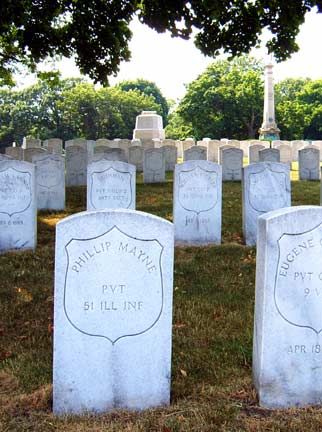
212 332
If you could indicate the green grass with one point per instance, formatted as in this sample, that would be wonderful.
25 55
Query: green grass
212 332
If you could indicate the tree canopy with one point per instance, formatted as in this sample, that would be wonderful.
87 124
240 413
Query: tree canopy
70 108
97 32
224 101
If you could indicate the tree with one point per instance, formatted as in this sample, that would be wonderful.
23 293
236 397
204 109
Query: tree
298 108
225 101
150 89
97 32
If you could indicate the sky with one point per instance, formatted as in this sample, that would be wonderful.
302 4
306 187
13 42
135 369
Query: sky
172 62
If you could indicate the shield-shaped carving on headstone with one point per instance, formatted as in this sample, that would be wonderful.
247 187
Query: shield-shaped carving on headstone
267 190
198 190
111 186
113 285
15 191
298 282
49 175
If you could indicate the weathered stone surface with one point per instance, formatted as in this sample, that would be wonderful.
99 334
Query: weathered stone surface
5 157
170 156
288 321
76 166
136 157
285 153
148 125
195 153
269 155
232 164
266 186
15 152
309 163
253 153
30 152
109 154
54 145
197 203
113 312
153 166
18 209
50 181
110 184
30 142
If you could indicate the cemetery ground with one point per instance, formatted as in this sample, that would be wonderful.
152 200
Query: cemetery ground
211 388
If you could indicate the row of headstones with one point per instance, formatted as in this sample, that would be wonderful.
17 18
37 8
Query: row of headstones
157 161
113 293
113 310
112 184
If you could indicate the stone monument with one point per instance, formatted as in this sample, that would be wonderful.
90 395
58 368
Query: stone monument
148 125
269 129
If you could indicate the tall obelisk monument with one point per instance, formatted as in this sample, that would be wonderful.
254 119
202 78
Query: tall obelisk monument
269 129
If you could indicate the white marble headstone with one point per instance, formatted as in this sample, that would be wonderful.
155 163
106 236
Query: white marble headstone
170 156
30 152
76 166
288 321
113 312
195 153
266 186
309 164
15 152
232 164
110 184
197 203
18 206
106 153
153 166
136 157
269 155
253 153
50 181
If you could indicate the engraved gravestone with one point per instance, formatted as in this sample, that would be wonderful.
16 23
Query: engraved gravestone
76 166
110 185
269 155
30 152
18 210
309 164
54 145
170 156
5 157
195 153
285 153
153 166
288 321
197 203
212 150
232 163
109 154
266 186
50 181
136 157
253 153
15 152
113 312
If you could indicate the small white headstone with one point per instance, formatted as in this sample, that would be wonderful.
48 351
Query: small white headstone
18 207
253 153
309 164
113 312
288 320
170 156
153 166
232 164
111 154
136 157
266 186
50 181
54 145
195 153
15 152
76 166
110 184
197 203
269 155
30 152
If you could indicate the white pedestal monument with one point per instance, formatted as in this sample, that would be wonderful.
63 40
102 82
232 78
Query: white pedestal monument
269 129
148 125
